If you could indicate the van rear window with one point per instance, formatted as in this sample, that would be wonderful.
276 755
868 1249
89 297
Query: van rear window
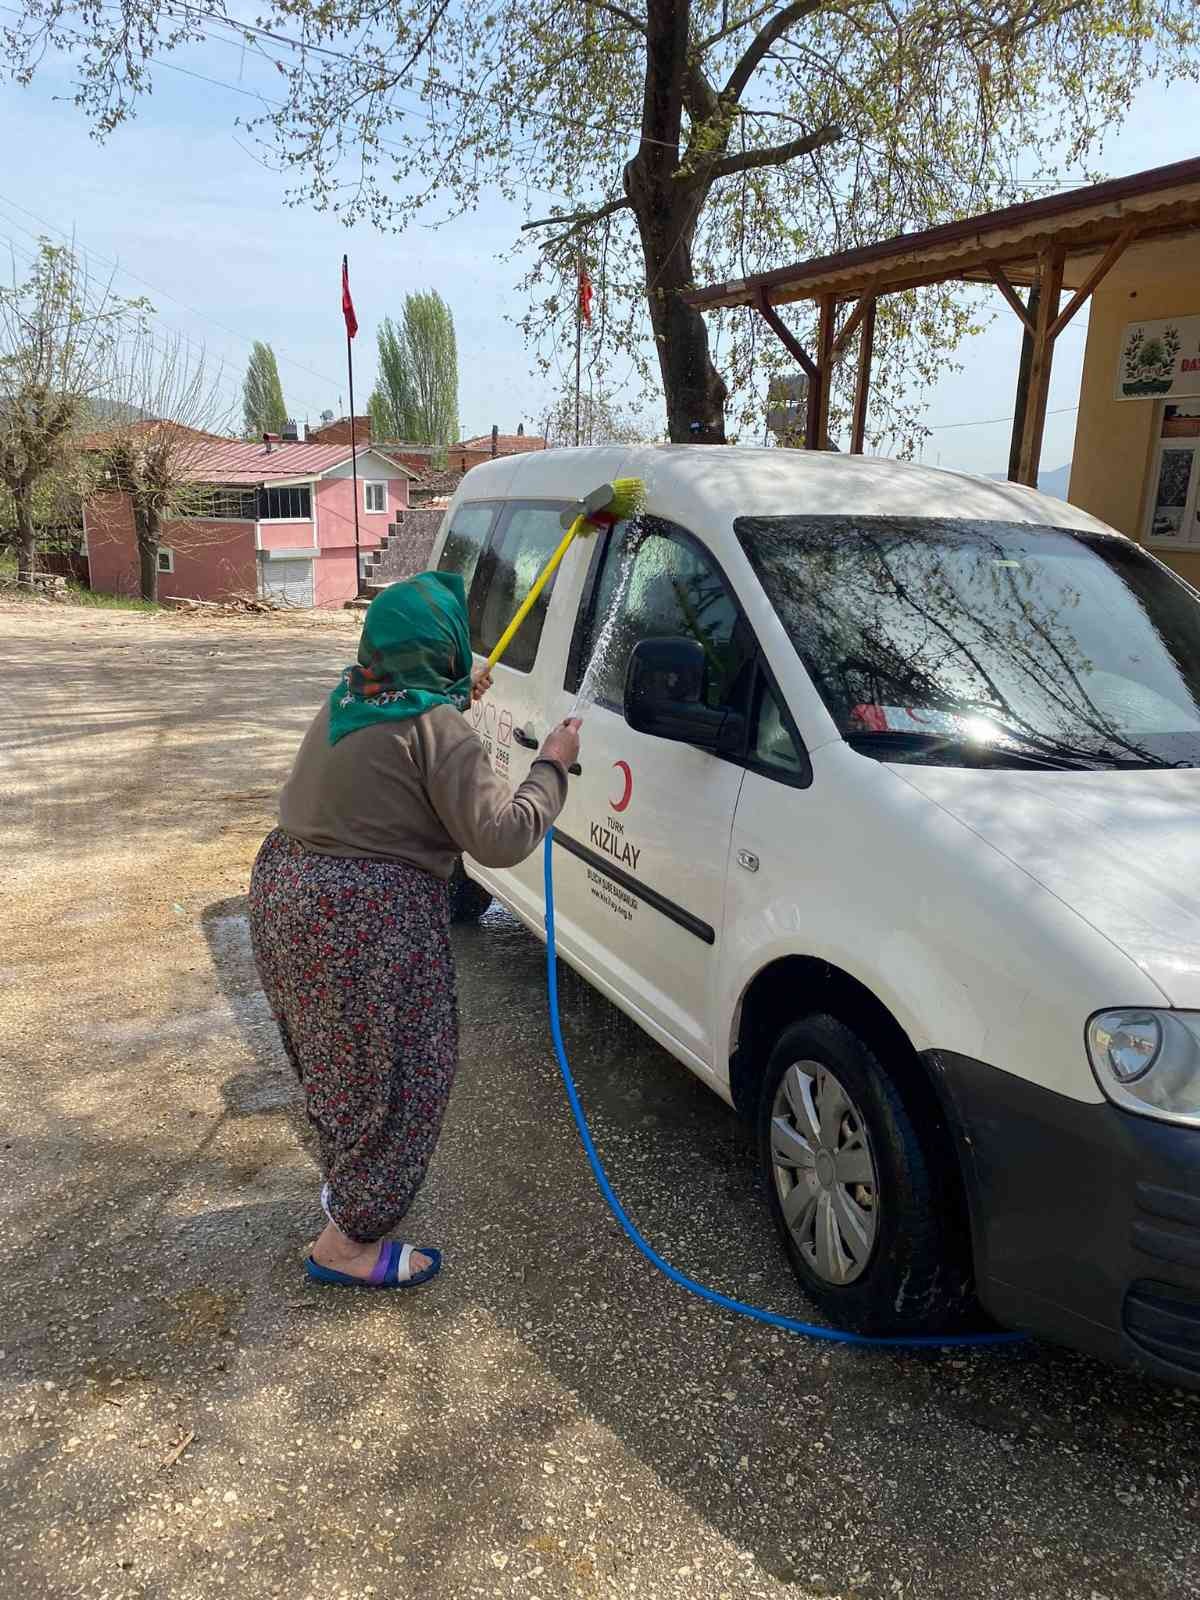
524 542
467 537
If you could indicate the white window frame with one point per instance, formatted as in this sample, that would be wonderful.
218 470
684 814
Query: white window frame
1190 540
368 485
302 483
166 550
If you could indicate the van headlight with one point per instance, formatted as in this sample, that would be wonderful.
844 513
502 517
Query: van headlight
1149 1061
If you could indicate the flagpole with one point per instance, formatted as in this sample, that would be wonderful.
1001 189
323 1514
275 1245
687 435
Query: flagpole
578 338
353 445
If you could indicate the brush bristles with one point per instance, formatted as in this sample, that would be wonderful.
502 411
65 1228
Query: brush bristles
629 498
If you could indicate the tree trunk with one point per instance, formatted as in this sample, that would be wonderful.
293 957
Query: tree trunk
26 537
667 208
695 392
147 525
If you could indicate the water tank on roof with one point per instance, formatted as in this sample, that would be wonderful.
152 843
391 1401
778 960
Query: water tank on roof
290 434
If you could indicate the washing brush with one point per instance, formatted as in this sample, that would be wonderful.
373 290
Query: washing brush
610 503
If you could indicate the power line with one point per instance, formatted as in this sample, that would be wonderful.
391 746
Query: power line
230 396
987 422
166 294
438 84
220 381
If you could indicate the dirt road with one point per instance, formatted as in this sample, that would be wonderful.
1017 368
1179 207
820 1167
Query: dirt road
181 1416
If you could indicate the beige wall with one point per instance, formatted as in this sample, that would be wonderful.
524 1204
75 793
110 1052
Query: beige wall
1116 439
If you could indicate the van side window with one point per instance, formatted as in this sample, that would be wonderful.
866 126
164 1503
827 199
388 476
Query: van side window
664 586
523 543
467 537
771 742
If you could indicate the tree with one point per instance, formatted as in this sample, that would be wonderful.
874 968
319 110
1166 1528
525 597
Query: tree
263 408
416 397
690 140
601 421
391 406
56 338
154 460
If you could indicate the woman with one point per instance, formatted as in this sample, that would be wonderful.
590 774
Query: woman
349 911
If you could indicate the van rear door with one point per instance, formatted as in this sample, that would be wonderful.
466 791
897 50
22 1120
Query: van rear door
500 547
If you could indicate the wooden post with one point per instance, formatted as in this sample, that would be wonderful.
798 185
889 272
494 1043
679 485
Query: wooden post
1030 322
862 387
1041 360
817 432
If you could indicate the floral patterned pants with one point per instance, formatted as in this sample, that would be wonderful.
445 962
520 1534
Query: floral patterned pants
354 957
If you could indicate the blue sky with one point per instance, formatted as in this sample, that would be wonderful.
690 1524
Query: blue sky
199 225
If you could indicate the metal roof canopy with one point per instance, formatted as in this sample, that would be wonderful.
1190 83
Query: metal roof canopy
1063 241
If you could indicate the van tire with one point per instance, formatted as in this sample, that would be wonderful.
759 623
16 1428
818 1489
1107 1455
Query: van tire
914 1278
468 901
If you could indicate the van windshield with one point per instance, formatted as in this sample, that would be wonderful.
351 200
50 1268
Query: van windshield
970 643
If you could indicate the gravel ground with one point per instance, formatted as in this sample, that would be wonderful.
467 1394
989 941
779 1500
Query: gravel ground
182 1416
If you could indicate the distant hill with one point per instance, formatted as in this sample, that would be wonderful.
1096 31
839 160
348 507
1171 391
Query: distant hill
1053 482
102 412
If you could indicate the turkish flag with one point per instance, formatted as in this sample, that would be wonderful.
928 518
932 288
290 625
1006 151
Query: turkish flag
347 303
585 295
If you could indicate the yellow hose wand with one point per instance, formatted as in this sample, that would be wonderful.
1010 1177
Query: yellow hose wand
610 503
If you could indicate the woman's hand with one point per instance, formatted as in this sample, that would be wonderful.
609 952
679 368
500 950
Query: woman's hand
561 744
481 682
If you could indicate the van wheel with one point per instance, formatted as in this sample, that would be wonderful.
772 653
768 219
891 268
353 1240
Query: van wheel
859 1197
468 901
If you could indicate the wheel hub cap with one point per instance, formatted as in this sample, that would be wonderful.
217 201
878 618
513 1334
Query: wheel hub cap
825 1173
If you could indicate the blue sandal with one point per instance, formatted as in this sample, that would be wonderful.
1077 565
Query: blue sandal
389 1272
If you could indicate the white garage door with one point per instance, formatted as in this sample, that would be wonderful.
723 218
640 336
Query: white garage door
289 582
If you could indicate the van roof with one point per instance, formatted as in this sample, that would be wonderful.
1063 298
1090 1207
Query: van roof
699 485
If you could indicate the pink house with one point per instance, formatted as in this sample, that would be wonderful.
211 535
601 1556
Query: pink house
274 518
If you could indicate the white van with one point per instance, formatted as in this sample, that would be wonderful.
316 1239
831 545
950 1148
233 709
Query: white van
887 825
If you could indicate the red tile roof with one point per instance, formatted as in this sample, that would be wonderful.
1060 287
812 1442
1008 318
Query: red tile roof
443 481
507 444
234 461
239 461
96 441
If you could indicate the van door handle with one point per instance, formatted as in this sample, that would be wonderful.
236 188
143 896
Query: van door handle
530 743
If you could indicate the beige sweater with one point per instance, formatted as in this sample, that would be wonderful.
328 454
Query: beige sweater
420 791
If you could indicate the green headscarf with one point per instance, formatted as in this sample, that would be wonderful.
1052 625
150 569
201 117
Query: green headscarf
415 653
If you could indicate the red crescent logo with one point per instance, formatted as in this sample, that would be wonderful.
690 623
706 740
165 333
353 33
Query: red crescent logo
627 793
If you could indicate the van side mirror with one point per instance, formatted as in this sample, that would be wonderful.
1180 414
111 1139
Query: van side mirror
664 688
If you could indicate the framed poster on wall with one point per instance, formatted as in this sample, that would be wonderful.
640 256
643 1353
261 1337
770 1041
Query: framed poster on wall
1160 360
1173 516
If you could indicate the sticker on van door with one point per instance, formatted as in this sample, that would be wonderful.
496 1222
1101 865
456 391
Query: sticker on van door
626 794
609 836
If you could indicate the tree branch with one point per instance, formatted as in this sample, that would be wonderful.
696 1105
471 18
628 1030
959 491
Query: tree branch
699 96
625 16
775 155
579 217
762 42
747 20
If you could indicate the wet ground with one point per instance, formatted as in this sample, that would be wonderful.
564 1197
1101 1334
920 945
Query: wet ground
182 1416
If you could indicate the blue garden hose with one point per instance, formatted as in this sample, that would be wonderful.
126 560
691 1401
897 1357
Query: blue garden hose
810 1330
